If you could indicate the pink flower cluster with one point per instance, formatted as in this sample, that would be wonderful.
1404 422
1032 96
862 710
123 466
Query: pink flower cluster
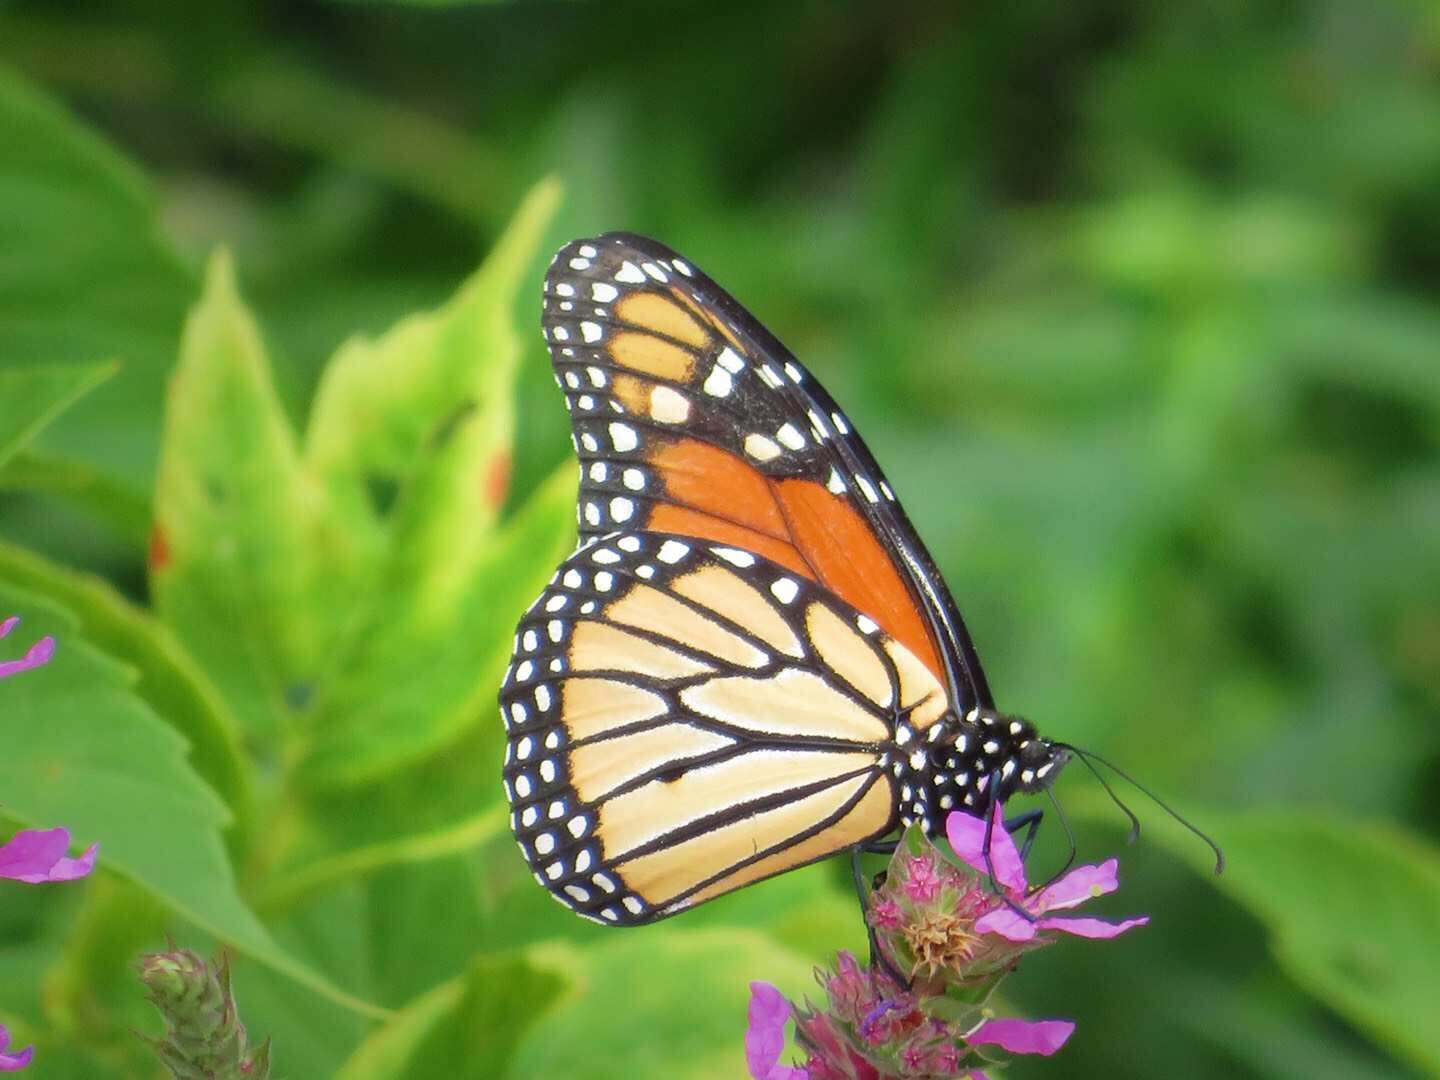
35 856
945 927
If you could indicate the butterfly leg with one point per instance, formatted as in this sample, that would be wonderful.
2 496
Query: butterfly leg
1030 822
877 954
985 850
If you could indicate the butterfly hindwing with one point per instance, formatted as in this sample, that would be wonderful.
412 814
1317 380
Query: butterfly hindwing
690 418
684 718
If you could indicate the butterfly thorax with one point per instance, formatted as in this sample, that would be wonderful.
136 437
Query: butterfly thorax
953 765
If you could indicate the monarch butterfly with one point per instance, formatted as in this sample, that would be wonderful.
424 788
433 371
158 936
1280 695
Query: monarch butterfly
750 662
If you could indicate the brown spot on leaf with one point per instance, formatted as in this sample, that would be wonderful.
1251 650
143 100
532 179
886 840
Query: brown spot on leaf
159 554
497 480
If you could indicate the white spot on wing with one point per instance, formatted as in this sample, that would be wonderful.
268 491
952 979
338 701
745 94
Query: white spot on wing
630 273
735 557
761 448
720 383
669 406
624 437
790 436
672 551
785 589
604 291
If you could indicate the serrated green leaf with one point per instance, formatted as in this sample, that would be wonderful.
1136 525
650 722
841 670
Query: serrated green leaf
32 397
424 676
84 273
466 1028
83 751
168 679
428 409
246 564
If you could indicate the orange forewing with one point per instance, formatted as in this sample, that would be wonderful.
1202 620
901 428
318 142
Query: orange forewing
713 495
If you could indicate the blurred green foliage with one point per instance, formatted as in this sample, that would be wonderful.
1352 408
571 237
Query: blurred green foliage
1136 303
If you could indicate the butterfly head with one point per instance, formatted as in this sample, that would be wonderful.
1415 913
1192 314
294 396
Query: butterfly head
1038 761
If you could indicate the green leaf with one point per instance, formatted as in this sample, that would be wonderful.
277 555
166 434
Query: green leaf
276 565
663 1002
246 564
84 273
168 679
428 411
32 397
1353 908
82 750
89 489
427 672
469 1027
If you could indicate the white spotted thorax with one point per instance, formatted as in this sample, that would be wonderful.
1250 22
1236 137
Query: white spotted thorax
954 765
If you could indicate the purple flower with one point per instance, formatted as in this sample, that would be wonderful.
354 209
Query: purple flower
922 879
38 654
13 1062
886 913
1023 1036
38 855
765 1037
967 837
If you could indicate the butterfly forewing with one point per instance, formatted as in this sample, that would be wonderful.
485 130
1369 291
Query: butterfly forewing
690 418
684 718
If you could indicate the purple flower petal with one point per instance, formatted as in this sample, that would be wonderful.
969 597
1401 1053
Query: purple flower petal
12 1062
967 837
1081 884
1007 923
765 1037
1023 1036
6 625
1092 928
37 855
38 654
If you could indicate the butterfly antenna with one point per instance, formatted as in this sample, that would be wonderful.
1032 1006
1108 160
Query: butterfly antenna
1086 756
